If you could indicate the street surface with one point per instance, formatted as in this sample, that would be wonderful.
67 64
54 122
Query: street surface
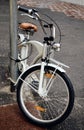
72 54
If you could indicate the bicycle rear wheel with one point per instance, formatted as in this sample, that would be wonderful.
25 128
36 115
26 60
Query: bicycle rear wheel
50 109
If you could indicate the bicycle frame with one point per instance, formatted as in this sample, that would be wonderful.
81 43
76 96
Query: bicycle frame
39 47
25 49
42 51
43 84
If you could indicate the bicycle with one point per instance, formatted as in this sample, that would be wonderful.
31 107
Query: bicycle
45 94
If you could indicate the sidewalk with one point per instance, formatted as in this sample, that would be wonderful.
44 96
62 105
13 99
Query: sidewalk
11 119
71 53
63 7
75 11
69 9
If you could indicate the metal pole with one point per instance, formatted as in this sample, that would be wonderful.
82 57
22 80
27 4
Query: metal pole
13 41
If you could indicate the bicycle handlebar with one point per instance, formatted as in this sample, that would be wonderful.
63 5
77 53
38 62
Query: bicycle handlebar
26 10
33 13
23 9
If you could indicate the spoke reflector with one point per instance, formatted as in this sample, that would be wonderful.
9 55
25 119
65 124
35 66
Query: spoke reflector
39 108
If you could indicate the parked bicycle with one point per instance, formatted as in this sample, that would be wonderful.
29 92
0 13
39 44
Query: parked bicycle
45 94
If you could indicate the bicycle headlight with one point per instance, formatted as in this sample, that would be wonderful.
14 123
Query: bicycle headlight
56 46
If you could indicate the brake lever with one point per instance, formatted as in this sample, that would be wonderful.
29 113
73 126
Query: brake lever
24 14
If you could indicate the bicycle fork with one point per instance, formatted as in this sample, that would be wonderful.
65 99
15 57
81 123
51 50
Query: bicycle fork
44 85
42 81
40 89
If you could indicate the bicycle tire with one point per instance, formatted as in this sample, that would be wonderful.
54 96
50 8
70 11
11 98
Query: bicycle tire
36 109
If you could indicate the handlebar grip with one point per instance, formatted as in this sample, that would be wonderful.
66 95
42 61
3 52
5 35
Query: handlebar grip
23 9
26 10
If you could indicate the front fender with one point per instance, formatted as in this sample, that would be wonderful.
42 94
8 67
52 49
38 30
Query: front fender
57 67
51 65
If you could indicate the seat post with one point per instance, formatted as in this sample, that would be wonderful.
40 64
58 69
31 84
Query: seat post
28 35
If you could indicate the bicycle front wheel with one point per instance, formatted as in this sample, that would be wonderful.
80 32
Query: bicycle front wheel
52 108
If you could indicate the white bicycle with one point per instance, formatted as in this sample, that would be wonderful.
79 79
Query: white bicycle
45 94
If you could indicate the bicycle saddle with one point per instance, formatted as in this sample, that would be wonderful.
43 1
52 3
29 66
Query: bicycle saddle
28 26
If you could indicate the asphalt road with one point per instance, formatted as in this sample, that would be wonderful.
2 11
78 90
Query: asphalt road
72 54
